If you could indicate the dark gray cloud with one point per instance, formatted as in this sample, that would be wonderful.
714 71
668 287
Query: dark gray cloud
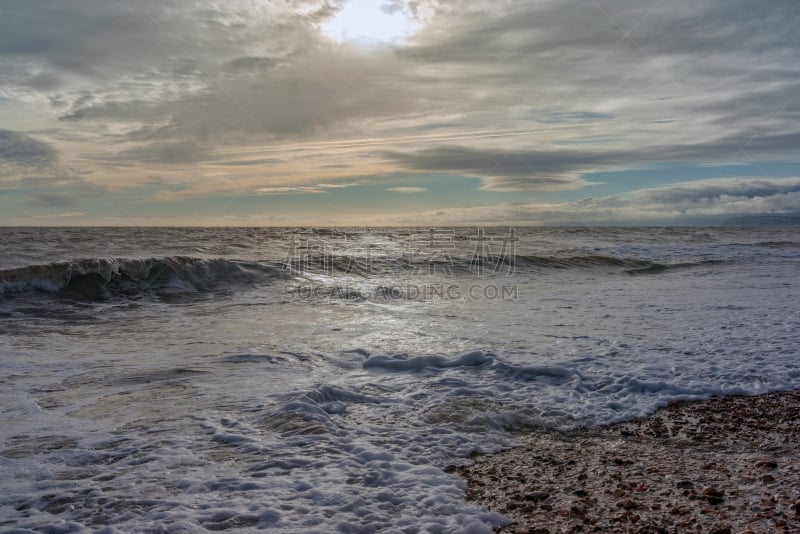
43 81
19 149
34 169
96 37
506 170
729 195
86 36
719 197
251 64
526 30
52 200
543 170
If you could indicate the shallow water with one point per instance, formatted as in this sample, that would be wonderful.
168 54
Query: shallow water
321 380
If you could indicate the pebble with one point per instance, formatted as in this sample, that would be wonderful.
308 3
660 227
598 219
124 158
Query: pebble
537 496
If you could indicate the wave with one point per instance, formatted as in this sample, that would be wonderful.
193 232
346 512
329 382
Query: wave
107 278
596 263
656 268
444 264
477 359
583 262
773 243
402 362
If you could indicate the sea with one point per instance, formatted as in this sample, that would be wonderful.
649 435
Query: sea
330 379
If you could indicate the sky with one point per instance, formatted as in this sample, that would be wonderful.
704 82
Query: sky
398 112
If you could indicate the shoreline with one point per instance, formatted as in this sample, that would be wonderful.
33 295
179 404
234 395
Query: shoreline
722 465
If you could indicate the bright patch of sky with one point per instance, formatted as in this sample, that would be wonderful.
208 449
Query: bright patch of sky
370 22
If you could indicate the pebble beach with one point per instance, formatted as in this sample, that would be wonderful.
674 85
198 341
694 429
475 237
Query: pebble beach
725 465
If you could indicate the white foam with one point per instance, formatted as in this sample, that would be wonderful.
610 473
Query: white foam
402 362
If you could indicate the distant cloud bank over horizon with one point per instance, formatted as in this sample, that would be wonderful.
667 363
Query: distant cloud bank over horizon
398 112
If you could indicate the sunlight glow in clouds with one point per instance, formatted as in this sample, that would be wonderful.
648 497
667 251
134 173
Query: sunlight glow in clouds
369 22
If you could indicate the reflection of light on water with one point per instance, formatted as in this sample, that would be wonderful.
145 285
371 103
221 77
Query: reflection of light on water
367 22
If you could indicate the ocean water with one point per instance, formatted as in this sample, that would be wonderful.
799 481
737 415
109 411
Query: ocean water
323 380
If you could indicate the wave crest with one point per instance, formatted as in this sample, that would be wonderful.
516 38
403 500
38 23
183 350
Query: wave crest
104 278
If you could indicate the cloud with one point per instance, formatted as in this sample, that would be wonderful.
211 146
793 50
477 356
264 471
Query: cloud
707 190
319 188
564 29
56 216
21 150
407 190
559 169
52 200
248 162
251 64
170 152
289 190
699 202
337 186
43 81
725 196
504 170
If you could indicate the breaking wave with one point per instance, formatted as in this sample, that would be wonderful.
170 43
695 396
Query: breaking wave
106 278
